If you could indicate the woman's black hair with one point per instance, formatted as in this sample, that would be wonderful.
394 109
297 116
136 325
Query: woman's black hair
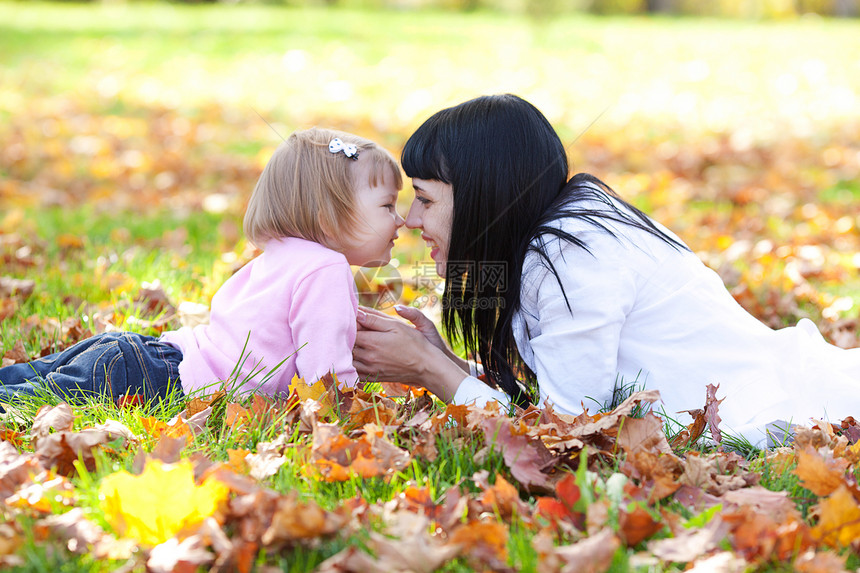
508 170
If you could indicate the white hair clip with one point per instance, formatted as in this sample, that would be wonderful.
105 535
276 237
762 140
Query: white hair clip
336 146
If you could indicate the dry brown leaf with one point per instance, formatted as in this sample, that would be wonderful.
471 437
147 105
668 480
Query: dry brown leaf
525 457
295 520
820 562
691 543
716 473
590 555
62 449
646 433
17 354
84 536
413 551
15 469
49 419
777 505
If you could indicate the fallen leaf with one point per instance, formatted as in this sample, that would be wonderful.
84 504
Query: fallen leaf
160 502
82 535
593 554
691 543
838 519
412 551
62 449
525 457
819 471
295 520
17 354
50 419
175 556
637 525
485 543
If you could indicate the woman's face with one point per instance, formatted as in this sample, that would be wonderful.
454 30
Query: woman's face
432 211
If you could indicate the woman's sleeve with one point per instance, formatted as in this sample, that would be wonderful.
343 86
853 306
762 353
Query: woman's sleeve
322 320
576 350
473 391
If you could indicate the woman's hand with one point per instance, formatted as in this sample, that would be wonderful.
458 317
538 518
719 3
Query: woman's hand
390 350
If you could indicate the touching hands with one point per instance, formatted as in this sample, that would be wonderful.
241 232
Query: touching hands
391 350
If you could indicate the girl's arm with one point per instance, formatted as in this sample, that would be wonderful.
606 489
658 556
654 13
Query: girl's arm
322 320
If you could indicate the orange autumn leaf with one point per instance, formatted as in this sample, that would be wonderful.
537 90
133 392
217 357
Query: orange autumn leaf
503 499
637 525
489 539
417 500
236 415
338 457
562 508
197 405
819 471
236 460
159 428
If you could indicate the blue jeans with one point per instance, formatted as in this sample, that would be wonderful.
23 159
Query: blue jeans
107 365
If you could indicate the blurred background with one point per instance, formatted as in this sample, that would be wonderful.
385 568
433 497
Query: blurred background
131 136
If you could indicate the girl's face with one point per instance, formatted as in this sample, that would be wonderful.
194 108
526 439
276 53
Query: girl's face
378 222
432 211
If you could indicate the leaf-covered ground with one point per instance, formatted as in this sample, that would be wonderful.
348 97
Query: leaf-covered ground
132 136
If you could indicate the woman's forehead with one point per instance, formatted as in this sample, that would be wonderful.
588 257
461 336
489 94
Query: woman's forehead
429 185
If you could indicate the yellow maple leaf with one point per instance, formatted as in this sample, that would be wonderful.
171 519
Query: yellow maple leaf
316 391
839 519
307 391
154 506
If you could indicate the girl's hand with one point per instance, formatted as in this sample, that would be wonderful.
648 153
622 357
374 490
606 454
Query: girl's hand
390 350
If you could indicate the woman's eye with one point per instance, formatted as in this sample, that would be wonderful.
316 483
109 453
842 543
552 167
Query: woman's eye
423 200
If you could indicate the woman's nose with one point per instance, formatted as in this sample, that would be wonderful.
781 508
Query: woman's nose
413 221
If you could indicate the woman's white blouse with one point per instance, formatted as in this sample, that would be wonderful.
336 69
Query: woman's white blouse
644 312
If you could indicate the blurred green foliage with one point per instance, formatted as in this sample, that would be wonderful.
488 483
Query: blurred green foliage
546 9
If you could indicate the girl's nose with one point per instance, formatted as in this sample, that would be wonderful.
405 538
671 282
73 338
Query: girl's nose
398 220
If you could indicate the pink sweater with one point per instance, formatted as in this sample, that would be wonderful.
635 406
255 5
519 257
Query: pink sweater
295 303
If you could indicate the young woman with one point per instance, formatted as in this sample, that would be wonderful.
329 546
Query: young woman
564 291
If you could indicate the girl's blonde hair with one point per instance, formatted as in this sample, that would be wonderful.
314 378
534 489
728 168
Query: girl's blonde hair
308 192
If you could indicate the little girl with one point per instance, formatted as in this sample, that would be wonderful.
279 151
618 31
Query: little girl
325 201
